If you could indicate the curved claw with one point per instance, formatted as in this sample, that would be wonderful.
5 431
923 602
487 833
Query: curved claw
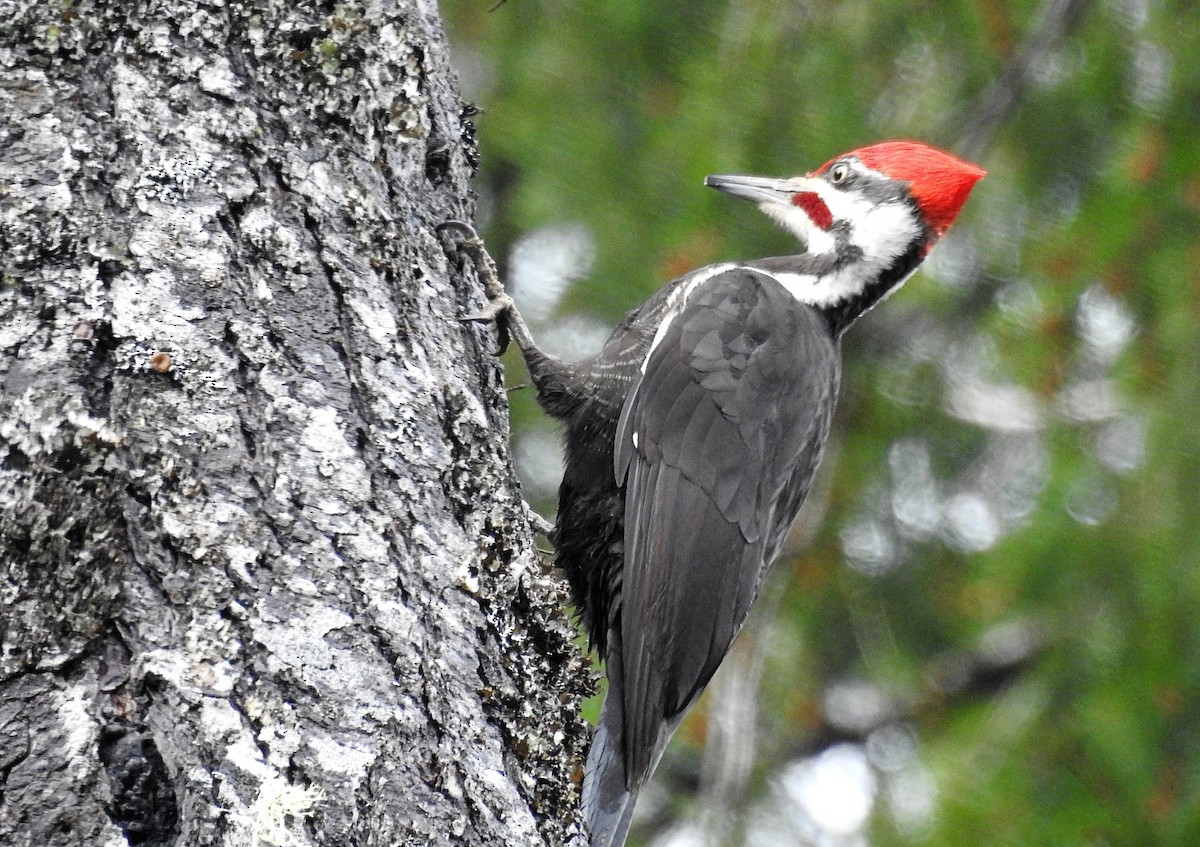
460 227
500 307
494 310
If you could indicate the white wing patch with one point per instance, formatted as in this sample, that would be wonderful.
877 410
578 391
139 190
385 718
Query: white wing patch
677 300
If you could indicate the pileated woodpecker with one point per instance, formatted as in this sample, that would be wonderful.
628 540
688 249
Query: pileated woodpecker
693 435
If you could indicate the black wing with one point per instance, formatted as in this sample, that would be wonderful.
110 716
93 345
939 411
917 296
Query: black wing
717 445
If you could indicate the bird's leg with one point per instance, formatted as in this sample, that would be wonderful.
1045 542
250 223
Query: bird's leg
548 372
501 309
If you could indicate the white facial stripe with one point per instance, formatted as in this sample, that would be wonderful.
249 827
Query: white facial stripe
822 292
856 165
798 222
882 233
801 286
832 289
885 232
842 205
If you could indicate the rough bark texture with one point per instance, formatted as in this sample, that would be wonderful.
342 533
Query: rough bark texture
264 573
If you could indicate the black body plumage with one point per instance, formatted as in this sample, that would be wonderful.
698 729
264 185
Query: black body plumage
742 340
688 455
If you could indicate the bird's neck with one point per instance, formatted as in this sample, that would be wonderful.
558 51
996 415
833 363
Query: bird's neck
841 285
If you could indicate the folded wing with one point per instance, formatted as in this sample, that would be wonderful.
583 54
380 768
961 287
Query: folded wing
717 445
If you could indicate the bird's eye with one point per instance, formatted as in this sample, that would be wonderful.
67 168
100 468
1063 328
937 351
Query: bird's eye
838 173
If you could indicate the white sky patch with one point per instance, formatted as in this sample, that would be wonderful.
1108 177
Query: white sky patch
835 790
574 337
544 262
1091 500
954 262
971 525
1021 302
1009 408
892 748
1121 444
916 500
1151 75
539 460
1104 323
1089 401
912 799
855 705
869 546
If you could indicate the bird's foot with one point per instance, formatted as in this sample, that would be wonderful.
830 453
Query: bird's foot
493 311
469 243
463 238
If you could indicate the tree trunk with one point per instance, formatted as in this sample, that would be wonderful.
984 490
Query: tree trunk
265 577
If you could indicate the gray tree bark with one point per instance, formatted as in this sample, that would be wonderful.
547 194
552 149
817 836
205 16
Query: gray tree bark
265 577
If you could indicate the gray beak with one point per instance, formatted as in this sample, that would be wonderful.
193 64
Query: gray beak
759 189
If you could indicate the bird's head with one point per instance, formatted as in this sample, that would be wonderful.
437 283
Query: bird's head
868 218
872 203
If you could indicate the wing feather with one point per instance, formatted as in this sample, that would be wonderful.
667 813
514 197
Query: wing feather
716 446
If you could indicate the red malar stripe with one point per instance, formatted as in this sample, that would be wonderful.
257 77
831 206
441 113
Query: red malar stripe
814 207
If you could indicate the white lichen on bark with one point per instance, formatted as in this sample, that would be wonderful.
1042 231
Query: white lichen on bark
256 512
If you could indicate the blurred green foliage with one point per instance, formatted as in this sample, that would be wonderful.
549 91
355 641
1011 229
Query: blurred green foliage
1047 366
